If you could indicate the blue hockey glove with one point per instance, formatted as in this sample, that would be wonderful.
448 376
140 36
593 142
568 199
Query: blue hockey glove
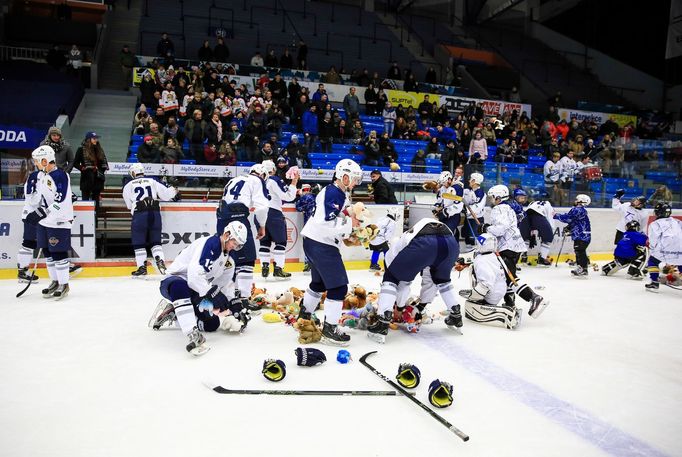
36 216
619 194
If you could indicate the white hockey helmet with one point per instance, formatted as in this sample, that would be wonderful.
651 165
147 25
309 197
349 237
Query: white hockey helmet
43 152
269 166
444 177
259 170
136 169
238 232
499 191
350 168
477 178
583 199
486 243
394 212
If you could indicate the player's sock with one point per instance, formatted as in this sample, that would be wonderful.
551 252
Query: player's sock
157 251
332 311
24 257
544 250
375 258
311 299
51 270
387 297
244 280
403 292
279 255
184 312
140 257
62 270
447 293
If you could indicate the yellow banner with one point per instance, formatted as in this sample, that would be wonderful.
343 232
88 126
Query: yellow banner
623 119
413 99
138 74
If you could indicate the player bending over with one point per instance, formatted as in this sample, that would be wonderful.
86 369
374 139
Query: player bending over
142 195
665 244
379 244
631 252
578 225
538 219
199 291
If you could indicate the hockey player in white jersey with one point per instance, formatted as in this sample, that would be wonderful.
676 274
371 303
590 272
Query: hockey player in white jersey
199 289
142 195
630 211
537 222
276 225
29 244
54 217
503 225
489 285
427 247
322 234
380 244
474 198
665 244
241 194
449 204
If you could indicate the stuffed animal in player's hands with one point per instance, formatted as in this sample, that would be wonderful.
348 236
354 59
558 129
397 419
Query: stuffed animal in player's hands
431 186
293 172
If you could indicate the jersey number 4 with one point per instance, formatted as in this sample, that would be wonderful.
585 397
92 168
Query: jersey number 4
235 190
140 192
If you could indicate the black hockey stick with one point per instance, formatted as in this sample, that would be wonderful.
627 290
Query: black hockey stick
35 266
400 389
561 248
223 390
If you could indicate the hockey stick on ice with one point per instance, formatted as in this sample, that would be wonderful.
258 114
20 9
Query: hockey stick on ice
400 389
35 266
347 393
561 248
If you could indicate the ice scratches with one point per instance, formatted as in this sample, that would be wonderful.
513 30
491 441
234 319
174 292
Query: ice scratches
597 432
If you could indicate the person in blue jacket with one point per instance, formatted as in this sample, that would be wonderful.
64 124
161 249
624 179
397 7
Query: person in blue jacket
578 225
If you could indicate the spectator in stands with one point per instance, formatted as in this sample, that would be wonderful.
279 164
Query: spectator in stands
271 59
148 152
156 134
195 133
478 149
351 104
433 148
92 163
504 152
389 116
372 152
448 156
387 149
383 192
141 121
444 134
556 100
293 150
520 155
159 118
363 78
440 114
394 71
214 129
62 150
547 134
226 155
332 77
489 135
257 60
425 110
552 174
400 127
465 138
233 138
630 158
205 53
590 149
419 162
326 132
282 164
302 56
172 130
267 153
410 84
285 60
210 154
128 61
661 195
294 90
275 119
310 127
563 129
317 96
221 53
55 58
431 76
343 132
165 47
552 115
278 88
171 152
357 132
200 104
147 88
75 60
371 99
382 100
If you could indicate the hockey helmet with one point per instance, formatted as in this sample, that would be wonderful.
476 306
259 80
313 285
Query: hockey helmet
444 177
136 169
43 152
350 168
583 199
632 226
259 170
269 166
487 242
498 191
238 232
477 178
639 202
520 195
662 210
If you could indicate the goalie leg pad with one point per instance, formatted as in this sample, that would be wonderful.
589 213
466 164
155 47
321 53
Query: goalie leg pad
487 314
611 268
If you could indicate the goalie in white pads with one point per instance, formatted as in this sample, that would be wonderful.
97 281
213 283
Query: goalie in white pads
665 244
141 195
489 285
199 291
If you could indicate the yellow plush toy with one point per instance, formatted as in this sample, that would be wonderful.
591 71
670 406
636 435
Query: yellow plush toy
308 331
430 185
394 166
272 318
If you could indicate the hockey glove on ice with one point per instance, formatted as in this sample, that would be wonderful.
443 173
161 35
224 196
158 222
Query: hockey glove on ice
408 375
36 216
440 394
274 370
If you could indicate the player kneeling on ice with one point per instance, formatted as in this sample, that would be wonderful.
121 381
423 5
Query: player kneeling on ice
430 246
665 244
141 195
489 285
379 244
578 225
199 290
631 252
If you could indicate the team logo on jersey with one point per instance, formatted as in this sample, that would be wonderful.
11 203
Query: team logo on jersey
53 241
49 183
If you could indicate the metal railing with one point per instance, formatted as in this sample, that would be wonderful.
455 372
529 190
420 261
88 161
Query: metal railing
19 53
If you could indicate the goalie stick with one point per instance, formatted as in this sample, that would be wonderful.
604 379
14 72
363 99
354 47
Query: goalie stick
344 393
400 389
35 266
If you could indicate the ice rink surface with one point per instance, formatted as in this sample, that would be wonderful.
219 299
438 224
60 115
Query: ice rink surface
599 373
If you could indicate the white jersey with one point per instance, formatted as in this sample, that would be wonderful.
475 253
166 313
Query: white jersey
407 237
545 208
665 240
328 224
629 213
279 192
203 264
569 168
552 171
249 190
450 207
386 226
503 225
489 272
54 189
31 195
144 187
475 199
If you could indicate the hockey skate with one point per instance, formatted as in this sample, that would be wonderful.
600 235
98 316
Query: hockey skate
25 276
652 287
637 276
542 262
279 273
333 336
197 343
524 258
163 316
454 319
374 267
379 329
74 270
516 320
579 272
160 265
265 269
537 306
61 292
306 267
141 272
47 292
